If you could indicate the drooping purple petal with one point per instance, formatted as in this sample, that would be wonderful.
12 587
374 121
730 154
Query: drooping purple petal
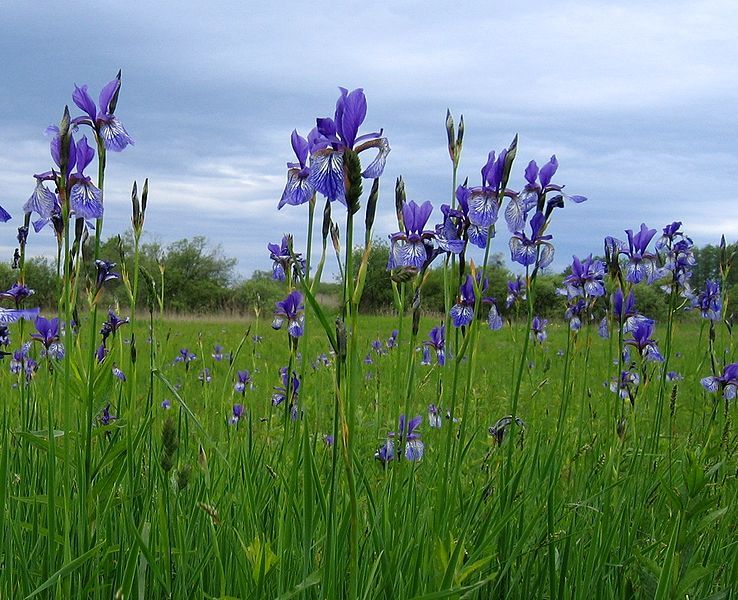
298 190
376 167
86 200
326 174
483 208
113 134
42 201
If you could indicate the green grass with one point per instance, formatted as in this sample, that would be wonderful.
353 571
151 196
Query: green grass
564 508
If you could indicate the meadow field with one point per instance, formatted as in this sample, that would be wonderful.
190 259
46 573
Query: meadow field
184 502
315 451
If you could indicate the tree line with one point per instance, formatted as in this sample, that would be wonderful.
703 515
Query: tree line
194 276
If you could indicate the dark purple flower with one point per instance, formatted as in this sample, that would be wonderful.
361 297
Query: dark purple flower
107 126
710 301
284 259
17 292
484 201
407 433
20 357
575 309
238 411
533 250
166 404
586 278
392 339
299 189
641 264
437 341
533 195
205 376
106 418
408 248
291 309
105 272
217 353
4 337
462 313
538 329
328 439
111 326
641 341
118 373
626 386
186 357
332 137
280 392
47 331
515 291
625 311
727 382
385 453
244 379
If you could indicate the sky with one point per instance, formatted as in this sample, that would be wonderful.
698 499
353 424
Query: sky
636 99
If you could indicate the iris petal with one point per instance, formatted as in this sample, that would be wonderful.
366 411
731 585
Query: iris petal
326 174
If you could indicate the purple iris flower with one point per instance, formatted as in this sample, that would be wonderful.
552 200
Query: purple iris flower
19 358
385 453
48 331
586 278
392 339
710 301
299 189
408 248
18 292
238 411
4 337
641 341
217 353
280 392
283 259
527 250
332 137
475 233
434 416
484 201
538 329
106 125
118 373
244 379
437 341
538 184
186 357
641 264
407 433
291 309
450 234
626 386
205 376
462 313
85 199
101 353
575 309
625 311
5 216
106 418
727 382
674 376
515 291
105 272
677 255
166 404
111 326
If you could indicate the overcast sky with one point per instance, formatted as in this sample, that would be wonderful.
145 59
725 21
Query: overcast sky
637 100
